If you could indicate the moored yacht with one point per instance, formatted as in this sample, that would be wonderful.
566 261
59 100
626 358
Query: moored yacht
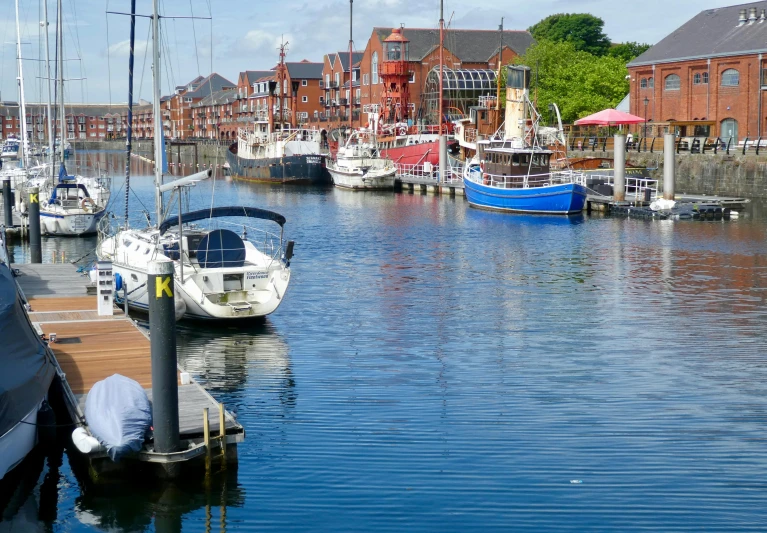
358 165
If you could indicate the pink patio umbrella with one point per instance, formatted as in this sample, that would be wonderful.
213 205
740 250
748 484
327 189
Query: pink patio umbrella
609 117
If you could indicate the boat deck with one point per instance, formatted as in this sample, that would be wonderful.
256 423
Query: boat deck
90 348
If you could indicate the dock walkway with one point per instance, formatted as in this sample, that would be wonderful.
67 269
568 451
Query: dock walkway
90 348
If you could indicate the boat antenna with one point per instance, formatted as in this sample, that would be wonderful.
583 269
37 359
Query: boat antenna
158 148
351 66
129 132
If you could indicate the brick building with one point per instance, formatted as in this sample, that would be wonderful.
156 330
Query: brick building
338 98
707 78
84 122
178 109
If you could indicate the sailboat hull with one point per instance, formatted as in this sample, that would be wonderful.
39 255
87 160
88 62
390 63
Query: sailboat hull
17 442
70 224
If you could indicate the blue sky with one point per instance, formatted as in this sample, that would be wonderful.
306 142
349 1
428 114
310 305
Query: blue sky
245 34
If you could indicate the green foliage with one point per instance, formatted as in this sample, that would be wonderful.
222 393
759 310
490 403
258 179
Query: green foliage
578 82
628 51
583 30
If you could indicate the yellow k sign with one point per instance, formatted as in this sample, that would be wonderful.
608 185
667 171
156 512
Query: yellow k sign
162 285
34 198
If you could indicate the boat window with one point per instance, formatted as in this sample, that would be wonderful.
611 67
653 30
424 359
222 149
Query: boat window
515 160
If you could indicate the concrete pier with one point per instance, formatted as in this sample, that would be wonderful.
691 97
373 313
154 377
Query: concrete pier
619 187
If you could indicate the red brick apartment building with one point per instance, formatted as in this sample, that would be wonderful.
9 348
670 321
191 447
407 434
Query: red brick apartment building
708 77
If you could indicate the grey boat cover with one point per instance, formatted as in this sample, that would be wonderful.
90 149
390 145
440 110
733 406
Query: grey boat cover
26 369
119 415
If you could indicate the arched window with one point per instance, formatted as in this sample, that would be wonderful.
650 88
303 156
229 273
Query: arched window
696 78
673 82
651 83
729 130
730 78
643 83
374 67
705 78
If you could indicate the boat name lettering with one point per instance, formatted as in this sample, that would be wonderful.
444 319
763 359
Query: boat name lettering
257 275
313 160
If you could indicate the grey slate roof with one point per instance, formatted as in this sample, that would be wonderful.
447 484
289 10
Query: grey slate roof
304 70
252 76
711 33
470 46
344 56
214 82
218 98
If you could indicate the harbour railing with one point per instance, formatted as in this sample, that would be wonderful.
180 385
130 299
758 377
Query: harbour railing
427 172
691 145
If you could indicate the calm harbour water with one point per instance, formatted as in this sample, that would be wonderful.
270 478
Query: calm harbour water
439 368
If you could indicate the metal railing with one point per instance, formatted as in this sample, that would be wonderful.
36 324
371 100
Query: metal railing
526 181
634 184
429 172
690 144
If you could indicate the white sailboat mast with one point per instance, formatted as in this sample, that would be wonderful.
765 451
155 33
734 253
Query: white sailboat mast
156 111
22 105
62 115
51 133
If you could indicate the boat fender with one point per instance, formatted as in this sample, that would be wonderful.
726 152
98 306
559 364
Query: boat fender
86 443
180 308
118 282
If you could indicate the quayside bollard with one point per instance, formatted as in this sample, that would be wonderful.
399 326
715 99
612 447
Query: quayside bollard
669 165
619 183
162 340
35 248
7 204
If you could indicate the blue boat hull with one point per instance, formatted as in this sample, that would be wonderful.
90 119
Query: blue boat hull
562 199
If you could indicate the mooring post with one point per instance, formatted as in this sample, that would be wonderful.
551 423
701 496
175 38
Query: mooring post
35 248
619 183
442 159
7 204
669 166
162 339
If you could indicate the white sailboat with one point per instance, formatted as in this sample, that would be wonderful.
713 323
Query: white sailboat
70 205
358 165
219 274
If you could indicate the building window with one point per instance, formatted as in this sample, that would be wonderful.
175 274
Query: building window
366 78
704 76
374 67
651 83
304 99
764 77
304 83
412 77
643 83
338 78
696 78
730 78
673 82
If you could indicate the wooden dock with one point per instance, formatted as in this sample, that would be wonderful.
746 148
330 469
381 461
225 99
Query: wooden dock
89 348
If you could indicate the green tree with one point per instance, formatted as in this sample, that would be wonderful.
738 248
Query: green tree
578 82
628 51
585 31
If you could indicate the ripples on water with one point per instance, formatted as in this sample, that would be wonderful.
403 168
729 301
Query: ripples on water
439 368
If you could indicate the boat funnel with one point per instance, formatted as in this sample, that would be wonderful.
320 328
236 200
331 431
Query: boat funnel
517 88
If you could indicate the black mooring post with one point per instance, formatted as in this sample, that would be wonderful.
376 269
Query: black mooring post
162 339
35 248
7 203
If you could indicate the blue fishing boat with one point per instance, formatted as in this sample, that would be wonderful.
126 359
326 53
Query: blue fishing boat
511 170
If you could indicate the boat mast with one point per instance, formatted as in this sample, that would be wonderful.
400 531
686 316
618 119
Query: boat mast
22 105
156 113
498 80
351 67
441 60
129 132
62 119
49 107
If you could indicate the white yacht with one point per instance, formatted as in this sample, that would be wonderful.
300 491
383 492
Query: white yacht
72 206
11 148
219 273
359 165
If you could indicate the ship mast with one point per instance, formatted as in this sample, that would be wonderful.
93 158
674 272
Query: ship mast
156 112
129 131
442 139
60 52
51 133
351 66
22 106
498 80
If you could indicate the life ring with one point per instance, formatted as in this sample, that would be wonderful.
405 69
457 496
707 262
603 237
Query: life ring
402 130
87 201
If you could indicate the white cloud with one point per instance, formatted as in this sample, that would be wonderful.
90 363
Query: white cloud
122 49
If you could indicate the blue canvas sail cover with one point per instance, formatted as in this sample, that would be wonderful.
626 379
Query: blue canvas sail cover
221 248
63 176
26 368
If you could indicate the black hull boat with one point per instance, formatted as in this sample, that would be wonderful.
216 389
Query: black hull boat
300 169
